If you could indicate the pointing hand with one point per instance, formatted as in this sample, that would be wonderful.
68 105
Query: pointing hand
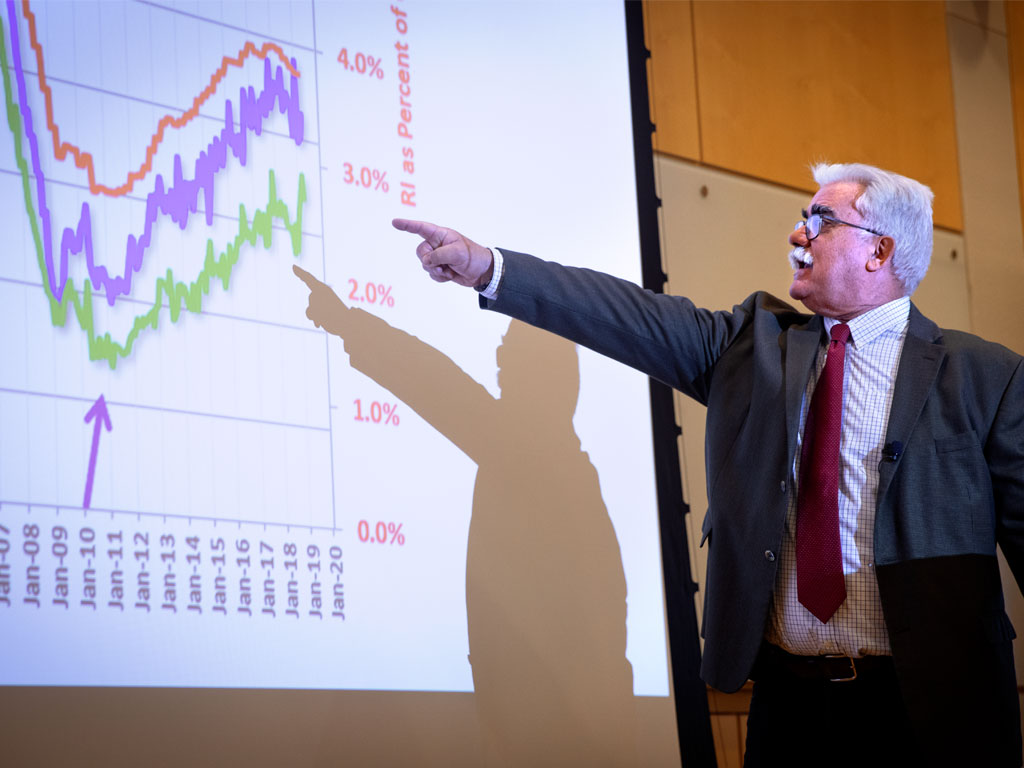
447 255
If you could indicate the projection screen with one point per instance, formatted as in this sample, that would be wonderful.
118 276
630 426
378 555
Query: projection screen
428 537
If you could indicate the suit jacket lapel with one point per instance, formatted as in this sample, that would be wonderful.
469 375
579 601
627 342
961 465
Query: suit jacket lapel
801 349
919 365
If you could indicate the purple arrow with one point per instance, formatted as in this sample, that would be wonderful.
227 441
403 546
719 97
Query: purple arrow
102 416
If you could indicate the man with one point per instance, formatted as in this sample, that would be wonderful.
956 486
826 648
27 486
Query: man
862 465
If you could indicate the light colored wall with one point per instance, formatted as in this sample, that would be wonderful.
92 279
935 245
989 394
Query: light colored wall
986 144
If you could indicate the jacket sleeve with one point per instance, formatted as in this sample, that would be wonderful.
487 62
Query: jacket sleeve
666 337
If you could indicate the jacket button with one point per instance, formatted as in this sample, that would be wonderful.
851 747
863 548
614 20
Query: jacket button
769 556
782 486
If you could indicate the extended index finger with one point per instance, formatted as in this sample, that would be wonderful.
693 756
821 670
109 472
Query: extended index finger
311 282
432 233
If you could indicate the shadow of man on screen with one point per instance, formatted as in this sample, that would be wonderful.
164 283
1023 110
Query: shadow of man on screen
545 588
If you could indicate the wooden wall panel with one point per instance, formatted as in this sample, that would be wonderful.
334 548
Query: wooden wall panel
783 84
729 724
672 81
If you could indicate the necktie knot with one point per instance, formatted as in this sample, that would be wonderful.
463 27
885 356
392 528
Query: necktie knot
840 332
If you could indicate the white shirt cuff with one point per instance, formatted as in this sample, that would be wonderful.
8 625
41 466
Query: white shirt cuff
491 290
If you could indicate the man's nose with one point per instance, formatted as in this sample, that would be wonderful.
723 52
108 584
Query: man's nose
798 236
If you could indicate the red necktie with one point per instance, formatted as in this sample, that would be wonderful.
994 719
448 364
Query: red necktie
819 556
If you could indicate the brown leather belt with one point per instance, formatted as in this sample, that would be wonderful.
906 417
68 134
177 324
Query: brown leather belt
773 662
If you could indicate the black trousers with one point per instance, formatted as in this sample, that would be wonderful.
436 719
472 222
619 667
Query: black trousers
800 718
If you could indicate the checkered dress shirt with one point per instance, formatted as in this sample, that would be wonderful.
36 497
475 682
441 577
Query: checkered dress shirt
858 627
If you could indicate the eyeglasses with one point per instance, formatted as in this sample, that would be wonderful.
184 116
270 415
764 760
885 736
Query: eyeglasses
813 225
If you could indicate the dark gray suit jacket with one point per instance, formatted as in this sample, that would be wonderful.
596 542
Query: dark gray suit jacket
956 489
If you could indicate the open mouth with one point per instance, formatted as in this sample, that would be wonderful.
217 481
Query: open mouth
800 258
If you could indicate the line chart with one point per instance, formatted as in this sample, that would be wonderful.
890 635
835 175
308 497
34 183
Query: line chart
177 293
193 478
84 159
189 422
188 202
179 199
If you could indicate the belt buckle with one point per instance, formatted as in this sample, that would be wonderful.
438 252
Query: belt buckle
853 668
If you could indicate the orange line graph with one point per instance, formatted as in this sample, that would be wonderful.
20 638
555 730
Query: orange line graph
84 161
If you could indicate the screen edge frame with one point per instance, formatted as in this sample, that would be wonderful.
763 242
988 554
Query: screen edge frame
693 719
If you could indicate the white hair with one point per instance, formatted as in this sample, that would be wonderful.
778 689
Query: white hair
894 205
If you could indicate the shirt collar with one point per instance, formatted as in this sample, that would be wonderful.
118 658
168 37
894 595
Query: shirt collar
893 317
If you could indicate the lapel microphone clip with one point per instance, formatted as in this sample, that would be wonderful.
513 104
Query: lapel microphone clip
892 451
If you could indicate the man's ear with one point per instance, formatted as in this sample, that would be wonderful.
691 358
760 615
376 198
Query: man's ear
882 255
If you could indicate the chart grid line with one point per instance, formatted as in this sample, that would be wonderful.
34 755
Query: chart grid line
224 24
136 199
148 103
163 515
203 313
323 255
165 409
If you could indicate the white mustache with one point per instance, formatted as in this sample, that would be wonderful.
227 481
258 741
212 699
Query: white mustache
800 256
